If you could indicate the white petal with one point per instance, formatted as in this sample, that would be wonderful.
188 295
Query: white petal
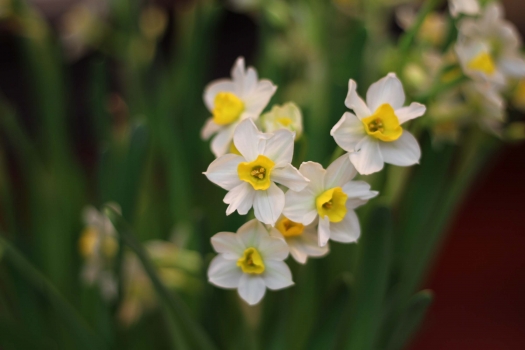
277 275
279 147
513 66
227 244
250 233
348 131
251 288
224 273
306 245
468 7
240 198
273 248
410 112
290 177
221 142
246 139
358 193
300 206
258 98
223 171
387 90
298 254
315 173
323 231
268 205
367 159
353 101
404 151
212 89
238 70
347 230
339 172
209 129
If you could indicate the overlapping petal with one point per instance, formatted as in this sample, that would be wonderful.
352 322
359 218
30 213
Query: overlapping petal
268 205
290 177
348 131
387 90
223 171
367 159
404 151
353 101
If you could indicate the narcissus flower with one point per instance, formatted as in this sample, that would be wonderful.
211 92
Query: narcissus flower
301 239
250 177
488 47
232 100
374 136
332 197
250 261
466 7
287 116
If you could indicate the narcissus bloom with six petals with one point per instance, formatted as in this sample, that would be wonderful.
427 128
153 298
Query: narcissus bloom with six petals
250 261
250 177
373 135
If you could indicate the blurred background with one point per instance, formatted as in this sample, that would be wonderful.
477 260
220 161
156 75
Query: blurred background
478 277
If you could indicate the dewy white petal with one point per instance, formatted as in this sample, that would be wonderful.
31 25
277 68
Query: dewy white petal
347 230
404 151
387 90
277 275
339 172
209 128
223 171
240 198
368 158
279 147
251 288
258 98
323 231
353 101
358 193
251 232
221 142
300 206
246 139
348 131
273 248
268 205
227 244
467 7
224 272
290 177
212 89
410 112
315 173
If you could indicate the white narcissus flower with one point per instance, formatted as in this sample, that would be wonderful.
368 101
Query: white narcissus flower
232 100
374 136
288 116
250 177
488 48
466 7
301 239
332 197
250 261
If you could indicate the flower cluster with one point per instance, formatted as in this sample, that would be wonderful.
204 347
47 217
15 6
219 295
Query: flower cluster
297 211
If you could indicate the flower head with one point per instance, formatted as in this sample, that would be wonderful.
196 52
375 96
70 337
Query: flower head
250 261
287 116
467 7
488 47
374 135
250 177
232 100
331 197
301 239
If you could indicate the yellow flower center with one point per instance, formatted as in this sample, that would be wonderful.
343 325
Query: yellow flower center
256 173
88 241
331 203
251 262
289 228
483 62
284 121
383 124
227 108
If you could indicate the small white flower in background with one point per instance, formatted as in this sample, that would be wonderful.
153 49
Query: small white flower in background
487 105
301 239
433 29
98 246
466 7
288 116
250 261
232 100
488 48
374 136
250 178
332 197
